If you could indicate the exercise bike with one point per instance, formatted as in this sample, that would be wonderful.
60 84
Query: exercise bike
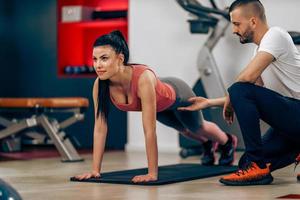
212 21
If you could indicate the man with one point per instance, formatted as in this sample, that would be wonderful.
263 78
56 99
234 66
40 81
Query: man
268 89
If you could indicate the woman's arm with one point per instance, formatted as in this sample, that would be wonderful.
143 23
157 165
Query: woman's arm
100 132
147 94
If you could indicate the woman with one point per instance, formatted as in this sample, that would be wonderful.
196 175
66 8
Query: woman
134 87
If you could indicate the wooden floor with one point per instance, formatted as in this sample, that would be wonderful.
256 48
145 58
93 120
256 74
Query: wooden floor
43 179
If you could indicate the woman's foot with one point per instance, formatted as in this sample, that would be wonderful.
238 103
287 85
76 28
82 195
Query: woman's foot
228 150
297 161
208 157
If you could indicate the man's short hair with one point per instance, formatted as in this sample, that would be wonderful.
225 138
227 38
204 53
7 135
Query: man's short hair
256 7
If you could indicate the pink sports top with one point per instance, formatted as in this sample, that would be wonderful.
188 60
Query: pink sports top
165 94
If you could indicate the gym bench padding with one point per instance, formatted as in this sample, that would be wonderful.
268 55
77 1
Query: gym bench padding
38 109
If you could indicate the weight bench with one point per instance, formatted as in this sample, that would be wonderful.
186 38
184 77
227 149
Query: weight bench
38 110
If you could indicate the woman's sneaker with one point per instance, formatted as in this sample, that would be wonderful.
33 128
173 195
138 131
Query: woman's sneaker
208 157
227 150
297 161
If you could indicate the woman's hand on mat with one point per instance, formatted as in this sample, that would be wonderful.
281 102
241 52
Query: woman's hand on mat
198 103
88 175
144 178
228 112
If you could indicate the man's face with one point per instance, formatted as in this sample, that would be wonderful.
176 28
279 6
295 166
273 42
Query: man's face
241 25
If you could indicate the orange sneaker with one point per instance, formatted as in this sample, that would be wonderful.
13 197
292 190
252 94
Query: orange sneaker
250 175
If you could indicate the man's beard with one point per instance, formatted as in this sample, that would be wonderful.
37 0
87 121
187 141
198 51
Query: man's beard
247 37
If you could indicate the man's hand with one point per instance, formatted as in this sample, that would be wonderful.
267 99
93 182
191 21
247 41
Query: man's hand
144 178
228 112
198 103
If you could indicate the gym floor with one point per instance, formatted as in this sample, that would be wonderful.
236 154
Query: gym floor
49 179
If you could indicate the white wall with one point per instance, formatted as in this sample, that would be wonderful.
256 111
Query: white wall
159 37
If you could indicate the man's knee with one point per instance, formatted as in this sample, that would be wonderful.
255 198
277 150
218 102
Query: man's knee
239 90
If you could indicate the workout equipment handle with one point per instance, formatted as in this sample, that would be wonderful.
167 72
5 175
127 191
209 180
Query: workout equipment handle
197 9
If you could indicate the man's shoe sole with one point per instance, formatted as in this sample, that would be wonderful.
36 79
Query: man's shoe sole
265 181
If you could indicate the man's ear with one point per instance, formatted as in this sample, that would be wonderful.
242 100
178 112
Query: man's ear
253 22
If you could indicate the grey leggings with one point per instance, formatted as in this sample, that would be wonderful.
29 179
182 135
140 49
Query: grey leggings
180 120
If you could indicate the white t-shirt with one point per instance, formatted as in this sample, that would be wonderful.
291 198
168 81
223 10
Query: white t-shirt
283 74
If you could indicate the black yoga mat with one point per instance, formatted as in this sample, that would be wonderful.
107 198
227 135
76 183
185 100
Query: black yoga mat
166 174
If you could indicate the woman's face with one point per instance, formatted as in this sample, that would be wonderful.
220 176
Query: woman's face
106 61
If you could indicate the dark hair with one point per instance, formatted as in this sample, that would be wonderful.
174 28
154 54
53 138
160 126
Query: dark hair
116 40
257 6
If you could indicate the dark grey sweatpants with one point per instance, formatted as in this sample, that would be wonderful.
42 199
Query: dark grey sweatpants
180 120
